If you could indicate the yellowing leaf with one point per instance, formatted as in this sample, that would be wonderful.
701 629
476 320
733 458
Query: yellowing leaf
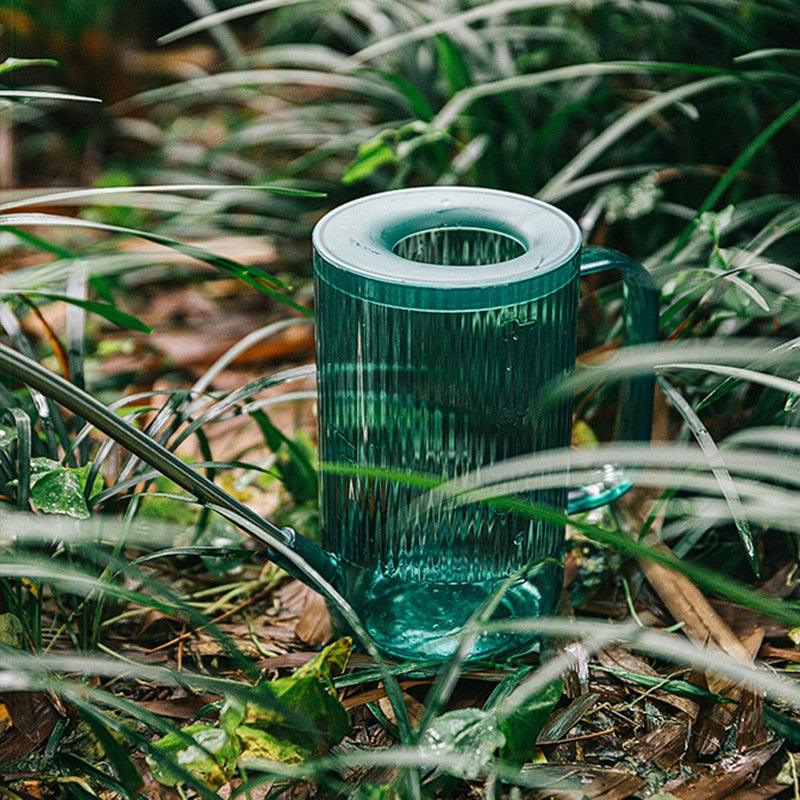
258 743
10 631
309 692
308 721
6 721
210 760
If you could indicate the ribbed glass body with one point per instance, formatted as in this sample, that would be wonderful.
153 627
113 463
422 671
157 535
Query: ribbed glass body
442 393
443 313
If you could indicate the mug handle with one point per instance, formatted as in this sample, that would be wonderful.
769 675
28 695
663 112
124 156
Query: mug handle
641 326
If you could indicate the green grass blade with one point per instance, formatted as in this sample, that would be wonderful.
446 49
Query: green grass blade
11 64
252 277
25 94
221 33
784 611
669 646
127 773
717 463
741 161
23 425
676 687
448 24
55 198
196 90
457 104
141 445
768 52
612 134
113 314
227 15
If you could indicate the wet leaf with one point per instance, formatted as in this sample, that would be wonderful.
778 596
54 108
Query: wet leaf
56 489
210 760
470 735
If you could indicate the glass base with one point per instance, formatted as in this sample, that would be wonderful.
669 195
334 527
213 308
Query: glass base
424 621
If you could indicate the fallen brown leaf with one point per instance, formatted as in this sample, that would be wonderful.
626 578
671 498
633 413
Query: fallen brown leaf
728 774
33 718
315 626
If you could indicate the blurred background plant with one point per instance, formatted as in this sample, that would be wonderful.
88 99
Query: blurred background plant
155 252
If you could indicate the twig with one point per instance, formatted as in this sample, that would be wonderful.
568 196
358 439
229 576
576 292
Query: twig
219 618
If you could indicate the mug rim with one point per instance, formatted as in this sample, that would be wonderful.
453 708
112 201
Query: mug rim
358 237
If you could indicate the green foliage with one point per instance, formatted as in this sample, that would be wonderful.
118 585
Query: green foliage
522 724
12 64
56 489
248 730
211 759
294 464
468 737
114 750
105 310
471 738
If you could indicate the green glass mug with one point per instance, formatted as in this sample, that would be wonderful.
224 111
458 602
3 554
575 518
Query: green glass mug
442 313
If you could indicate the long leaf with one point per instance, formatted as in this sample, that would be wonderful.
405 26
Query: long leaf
448 114
717 462
227 15
612 134
742 160
128 775
55 198
12 64
86 407
105 310
251 277
25 94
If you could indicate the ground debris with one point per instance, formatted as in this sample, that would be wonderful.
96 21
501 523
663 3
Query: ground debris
726 775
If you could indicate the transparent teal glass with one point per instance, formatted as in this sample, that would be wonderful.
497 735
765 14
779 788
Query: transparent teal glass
442 313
